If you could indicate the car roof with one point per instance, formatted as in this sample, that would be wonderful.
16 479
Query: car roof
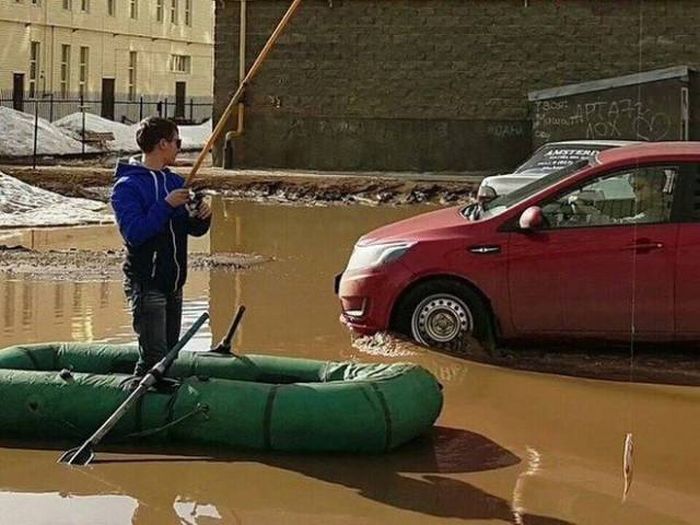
651 152
610 143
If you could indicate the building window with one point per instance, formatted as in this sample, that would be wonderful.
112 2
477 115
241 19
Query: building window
65 70
180 63
85 6
188 12
36 2
159 10
134 9
84 70
34 51
111 7
173 11
132 75
68 5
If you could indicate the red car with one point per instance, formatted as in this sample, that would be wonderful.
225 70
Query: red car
603 249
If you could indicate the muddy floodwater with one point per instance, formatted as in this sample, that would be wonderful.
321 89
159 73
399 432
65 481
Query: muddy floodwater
509 447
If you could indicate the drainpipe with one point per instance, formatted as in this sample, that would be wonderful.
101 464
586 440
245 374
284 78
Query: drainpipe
238 132
241 72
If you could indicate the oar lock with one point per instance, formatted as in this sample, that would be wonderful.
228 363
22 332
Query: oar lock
66 374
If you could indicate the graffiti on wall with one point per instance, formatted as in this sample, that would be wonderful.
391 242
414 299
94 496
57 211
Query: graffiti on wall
620 118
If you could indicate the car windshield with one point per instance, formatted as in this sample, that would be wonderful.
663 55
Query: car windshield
502 203
554 157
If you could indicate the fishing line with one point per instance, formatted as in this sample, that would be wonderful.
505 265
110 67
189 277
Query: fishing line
628 444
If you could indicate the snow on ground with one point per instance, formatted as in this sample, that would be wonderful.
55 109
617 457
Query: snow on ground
17 136
124 136
23 205
62 137
193 137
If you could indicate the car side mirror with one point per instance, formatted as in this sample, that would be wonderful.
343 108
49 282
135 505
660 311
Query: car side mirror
531 218
485 194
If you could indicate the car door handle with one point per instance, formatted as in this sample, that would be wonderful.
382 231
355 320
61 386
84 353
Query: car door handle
485 249
644 246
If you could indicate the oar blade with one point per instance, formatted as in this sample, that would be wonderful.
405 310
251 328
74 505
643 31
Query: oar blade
79 456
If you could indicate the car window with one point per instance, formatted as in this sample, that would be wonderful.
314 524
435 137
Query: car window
551 158
635 196
502 203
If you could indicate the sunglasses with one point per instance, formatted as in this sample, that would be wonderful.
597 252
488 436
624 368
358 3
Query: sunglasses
177 142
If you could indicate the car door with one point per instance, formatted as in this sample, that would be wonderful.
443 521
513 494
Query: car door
601 266
687 267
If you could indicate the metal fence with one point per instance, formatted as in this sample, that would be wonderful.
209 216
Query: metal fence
52 106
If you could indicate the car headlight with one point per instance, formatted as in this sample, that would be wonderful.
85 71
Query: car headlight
376 254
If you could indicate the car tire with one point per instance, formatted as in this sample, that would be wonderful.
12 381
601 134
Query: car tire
444 314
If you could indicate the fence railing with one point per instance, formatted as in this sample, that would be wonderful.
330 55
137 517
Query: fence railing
52 106
127 111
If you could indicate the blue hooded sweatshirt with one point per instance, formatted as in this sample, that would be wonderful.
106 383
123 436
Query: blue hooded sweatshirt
155 234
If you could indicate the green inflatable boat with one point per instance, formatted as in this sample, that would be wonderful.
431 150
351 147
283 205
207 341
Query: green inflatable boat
67 390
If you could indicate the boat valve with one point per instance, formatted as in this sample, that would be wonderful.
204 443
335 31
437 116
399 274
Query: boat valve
65 374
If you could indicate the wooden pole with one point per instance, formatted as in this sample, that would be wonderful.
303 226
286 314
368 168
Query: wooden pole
216 133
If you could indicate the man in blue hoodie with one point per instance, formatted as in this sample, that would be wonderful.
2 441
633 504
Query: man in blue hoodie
155 214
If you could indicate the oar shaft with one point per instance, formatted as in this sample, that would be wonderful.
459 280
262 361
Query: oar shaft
219 128
234 325
148 380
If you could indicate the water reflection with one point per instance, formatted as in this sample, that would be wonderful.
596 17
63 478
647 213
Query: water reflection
26 509
512 447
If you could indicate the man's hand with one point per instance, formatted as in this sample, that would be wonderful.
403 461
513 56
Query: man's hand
204 211
177 198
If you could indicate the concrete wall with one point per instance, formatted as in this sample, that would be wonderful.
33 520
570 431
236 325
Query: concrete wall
429 84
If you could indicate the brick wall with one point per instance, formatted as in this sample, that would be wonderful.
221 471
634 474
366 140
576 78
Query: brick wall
429 84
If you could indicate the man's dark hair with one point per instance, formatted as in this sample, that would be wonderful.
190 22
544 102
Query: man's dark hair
152 130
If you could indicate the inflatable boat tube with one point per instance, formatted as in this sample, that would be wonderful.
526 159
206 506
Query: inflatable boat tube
67 390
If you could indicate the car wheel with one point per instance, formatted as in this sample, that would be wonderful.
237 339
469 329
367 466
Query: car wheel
444 314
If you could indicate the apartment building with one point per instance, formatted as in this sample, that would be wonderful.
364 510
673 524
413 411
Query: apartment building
116 54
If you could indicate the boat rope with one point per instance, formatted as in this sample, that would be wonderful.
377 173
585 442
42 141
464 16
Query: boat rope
267 419
387 415
200 409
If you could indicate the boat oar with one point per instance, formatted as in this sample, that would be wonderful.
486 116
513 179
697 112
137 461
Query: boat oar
224 347
84 454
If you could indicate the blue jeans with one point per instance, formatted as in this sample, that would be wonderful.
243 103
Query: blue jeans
157 318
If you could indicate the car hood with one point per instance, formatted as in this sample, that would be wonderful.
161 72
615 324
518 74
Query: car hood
420 227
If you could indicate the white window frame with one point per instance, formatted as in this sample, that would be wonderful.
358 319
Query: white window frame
132 75
180 63
188 13
111 7
174 8
160 10
133 9
65 70
84 71
34 68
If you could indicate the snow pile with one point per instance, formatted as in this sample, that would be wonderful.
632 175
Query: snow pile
194 137
24 205
124 136
17 136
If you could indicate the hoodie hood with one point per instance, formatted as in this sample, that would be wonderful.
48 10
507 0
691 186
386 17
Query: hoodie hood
134 166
